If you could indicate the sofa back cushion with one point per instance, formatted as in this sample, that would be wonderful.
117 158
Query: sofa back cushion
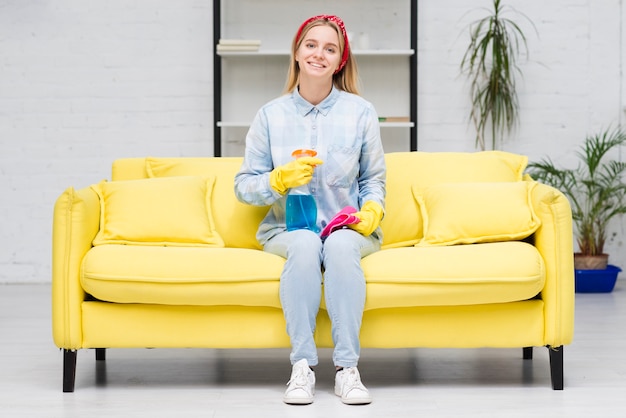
408 171
237 223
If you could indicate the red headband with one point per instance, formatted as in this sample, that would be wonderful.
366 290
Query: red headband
342 27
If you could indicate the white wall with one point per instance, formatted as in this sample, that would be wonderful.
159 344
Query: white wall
83 82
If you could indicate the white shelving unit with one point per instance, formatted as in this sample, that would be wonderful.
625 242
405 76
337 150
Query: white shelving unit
245 80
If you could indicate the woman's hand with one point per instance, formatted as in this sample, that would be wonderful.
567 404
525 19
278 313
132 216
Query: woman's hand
370 216
293 174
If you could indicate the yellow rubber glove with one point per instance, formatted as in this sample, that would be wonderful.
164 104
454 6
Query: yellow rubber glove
370 215
293 174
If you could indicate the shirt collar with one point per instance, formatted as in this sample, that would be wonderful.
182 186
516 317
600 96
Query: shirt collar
304 107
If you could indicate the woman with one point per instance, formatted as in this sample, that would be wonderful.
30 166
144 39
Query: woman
320 111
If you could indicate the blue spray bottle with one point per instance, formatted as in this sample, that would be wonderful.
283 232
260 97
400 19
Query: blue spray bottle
301 211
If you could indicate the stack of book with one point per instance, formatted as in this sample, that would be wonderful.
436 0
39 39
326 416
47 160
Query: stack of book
238 45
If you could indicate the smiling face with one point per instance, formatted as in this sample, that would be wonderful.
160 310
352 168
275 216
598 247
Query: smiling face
319 54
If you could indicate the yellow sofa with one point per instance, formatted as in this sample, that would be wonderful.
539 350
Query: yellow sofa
475 254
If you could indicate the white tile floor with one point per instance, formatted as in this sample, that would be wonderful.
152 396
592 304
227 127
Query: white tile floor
242 383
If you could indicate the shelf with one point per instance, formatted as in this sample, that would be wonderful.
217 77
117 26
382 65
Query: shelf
233 124
284 52
222 124
396 124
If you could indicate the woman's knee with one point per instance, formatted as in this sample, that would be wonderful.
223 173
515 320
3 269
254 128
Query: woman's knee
344 242
299 243
303 242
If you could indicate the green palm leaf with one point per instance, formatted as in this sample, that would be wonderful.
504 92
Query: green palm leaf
596 189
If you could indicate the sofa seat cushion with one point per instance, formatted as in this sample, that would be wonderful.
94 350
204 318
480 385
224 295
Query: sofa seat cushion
182 275
456 275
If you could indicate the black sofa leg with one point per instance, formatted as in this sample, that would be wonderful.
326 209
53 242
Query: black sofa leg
528 353
556 367
101 354
69 370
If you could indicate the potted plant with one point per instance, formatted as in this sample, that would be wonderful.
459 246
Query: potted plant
490 63
596 190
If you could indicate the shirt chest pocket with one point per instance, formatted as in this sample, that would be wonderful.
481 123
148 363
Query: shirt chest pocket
342 166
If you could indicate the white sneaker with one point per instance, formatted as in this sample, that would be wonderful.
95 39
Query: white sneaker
301 385
348 385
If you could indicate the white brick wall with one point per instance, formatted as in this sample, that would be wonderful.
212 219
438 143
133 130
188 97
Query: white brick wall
83 82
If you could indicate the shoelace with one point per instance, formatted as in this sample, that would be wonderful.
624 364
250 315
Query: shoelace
299 378
352 380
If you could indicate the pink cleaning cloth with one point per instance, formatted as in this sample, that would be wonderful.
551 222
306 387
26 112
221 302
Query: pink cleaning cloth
343 218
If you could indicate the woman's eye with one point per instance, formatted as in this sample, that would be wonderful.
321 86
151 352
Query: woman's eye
310 45
331 50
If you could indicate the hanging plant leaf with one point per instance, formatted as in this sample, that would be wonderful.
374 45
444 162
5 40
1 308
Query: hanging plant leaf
490 63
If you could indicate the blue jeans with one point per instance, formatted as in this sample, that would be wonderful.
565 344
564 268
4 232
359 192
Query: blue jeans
344 289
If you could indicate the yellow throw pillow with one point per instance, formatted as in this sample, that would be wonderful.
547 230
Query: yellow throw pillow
165 211
467 213
402 225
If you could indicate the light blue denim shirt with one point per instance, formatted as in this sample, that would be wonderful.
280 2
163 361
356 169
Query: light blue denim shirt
344 131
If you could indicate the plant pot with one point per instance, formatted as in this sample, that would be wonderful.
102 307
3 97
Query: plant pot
590 262
596 281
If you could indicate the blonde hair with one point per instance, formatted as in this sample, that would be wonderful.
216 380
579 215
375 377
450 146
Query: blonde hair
347 79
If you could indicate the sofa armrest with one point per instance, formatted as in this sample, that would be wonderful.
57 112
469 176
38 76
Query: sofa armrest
75 224
554 240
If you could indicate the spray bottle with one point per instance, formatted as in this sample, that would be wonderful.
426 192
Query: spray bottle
301 211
